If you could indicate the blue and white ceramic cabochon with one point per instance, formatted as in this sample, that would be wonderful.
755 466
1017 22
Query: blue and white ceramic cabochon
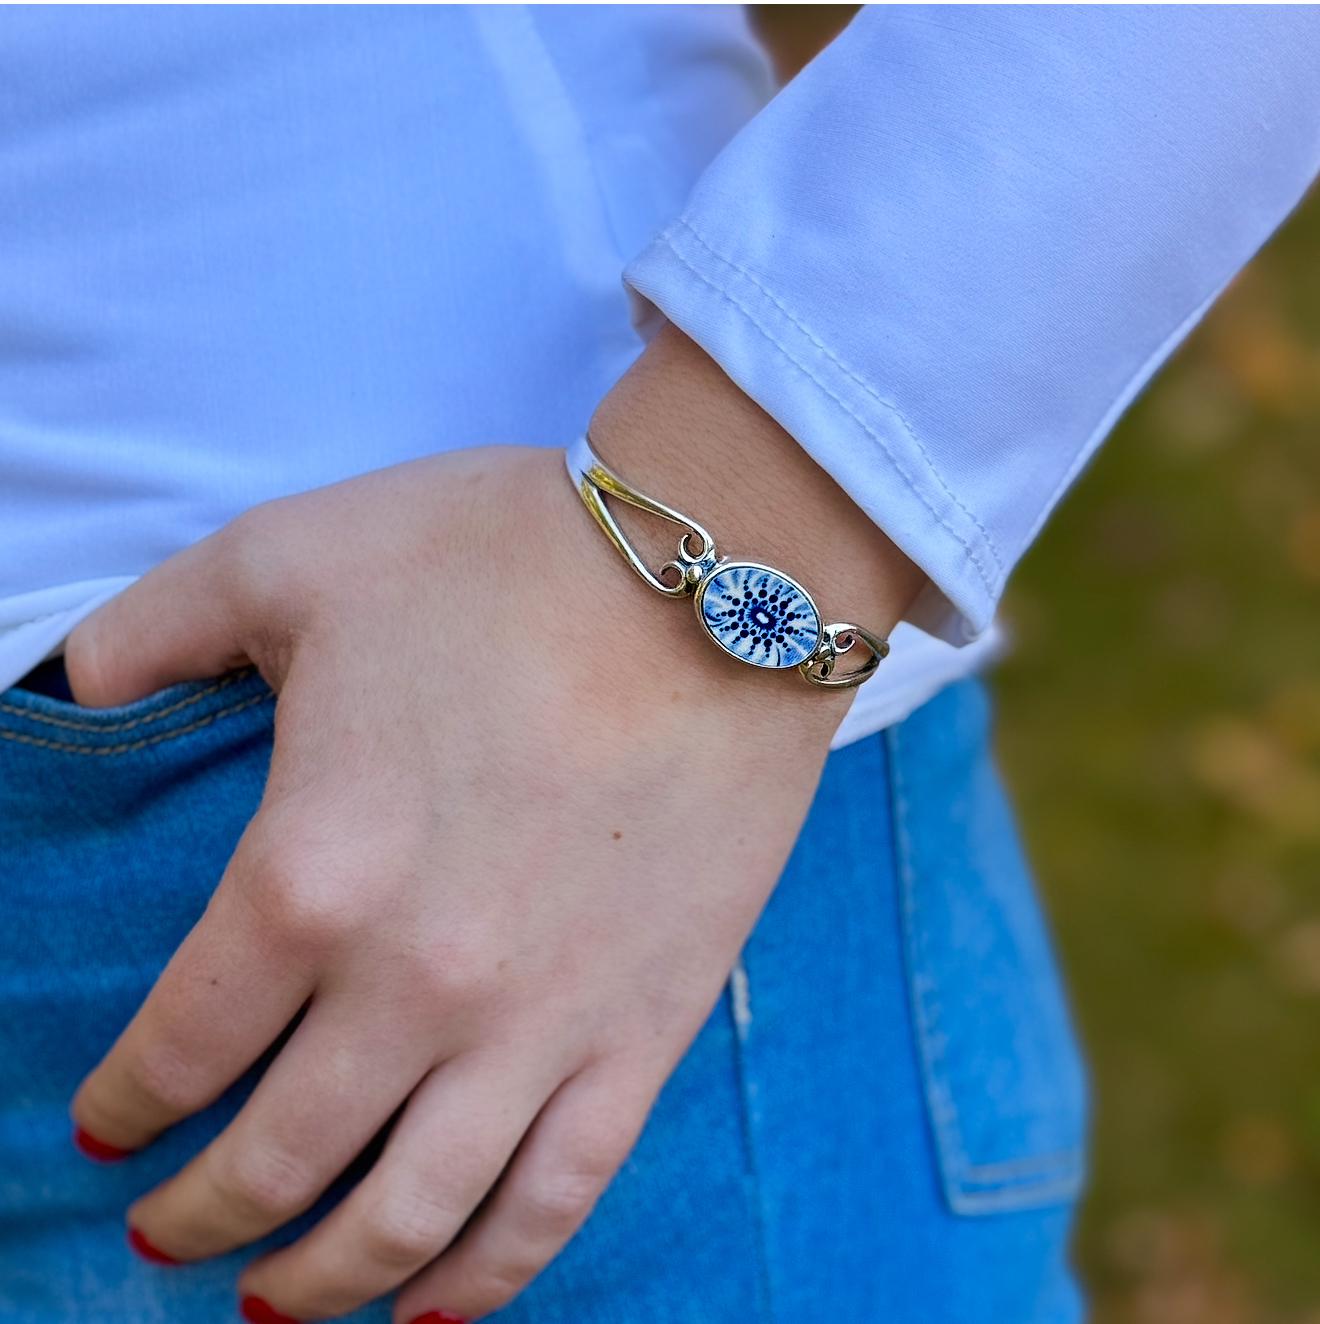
758 615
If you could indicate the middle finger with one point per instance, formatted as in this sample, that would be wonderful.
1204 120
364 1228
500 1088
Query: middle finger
327 1093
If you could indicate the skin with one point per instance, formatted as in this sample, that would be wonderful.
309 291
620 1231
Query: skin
493 860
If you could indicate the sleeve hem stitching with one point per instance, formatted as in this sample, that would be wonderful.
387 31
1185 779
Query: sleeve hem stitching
854 377
989 581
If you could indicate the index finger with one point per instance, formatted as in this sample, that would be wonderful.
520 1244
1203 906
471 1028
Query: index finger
224 997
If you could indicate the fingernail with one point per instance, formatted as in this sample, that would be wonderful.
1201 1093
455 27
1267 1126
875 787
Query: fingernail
256 1311
147 1250
96 1149
438 1317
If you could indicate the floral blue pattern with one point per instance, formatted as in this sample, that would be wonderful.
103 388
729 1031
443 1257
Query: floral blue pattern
759 615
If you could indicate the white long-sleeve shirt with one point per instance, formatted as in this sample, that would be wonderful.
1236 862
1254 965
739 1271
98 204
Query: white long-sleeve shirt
247 252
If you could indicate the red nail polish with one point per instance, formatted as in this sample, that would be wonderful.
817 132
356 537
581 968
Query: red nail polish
96 1149
439 1317
147 1250
256 1311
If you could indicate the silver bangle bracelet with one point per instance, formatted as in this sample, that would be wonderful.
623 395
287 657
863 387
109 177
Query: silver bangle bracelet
752 611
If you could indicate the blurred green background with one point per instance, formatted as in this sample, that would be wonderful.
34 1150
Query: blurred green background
1160 725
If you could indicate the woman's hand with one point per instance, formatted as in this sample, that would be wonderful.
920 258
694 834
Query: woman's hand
519 820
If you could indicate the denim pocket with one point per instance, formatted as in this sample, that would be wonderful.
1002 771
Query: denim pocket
41 722
1004 1081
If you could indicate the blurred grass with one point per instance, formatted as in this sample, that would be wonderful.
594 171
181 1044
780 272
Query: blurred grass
1160 725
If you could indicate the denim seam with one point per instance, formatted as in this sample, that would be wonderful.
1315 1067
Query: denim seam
1005 1185
925 1009
852 375
1011 1199
107 727
755 1198
1022 1168
102 751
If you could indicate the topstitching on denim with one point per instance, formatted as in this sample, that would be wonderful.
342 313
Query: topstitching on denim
36 726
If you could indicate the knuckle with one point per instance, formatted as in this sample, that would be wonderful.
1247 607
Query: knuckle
560 1200
460 974
261 1184
166 1079
457 978
495 1283
302 903
601 1140
407 1230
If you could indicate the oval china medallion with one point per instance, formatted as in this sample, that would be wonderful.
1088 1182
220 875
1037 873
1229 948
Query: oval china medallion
758 615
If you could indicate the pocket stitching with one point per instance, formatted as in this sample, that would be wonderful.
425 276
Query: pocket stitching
102 751
1029 1180
925 1013
105 728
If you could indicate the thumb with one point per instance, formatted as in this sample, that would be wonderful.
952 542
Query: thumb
180 621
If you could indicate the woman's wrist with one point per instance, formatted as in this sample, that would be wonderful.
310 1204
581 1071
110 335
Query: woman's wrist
677 428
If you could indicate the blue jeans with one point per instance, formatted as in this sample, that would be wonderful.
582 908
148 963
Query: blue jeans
881 1122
